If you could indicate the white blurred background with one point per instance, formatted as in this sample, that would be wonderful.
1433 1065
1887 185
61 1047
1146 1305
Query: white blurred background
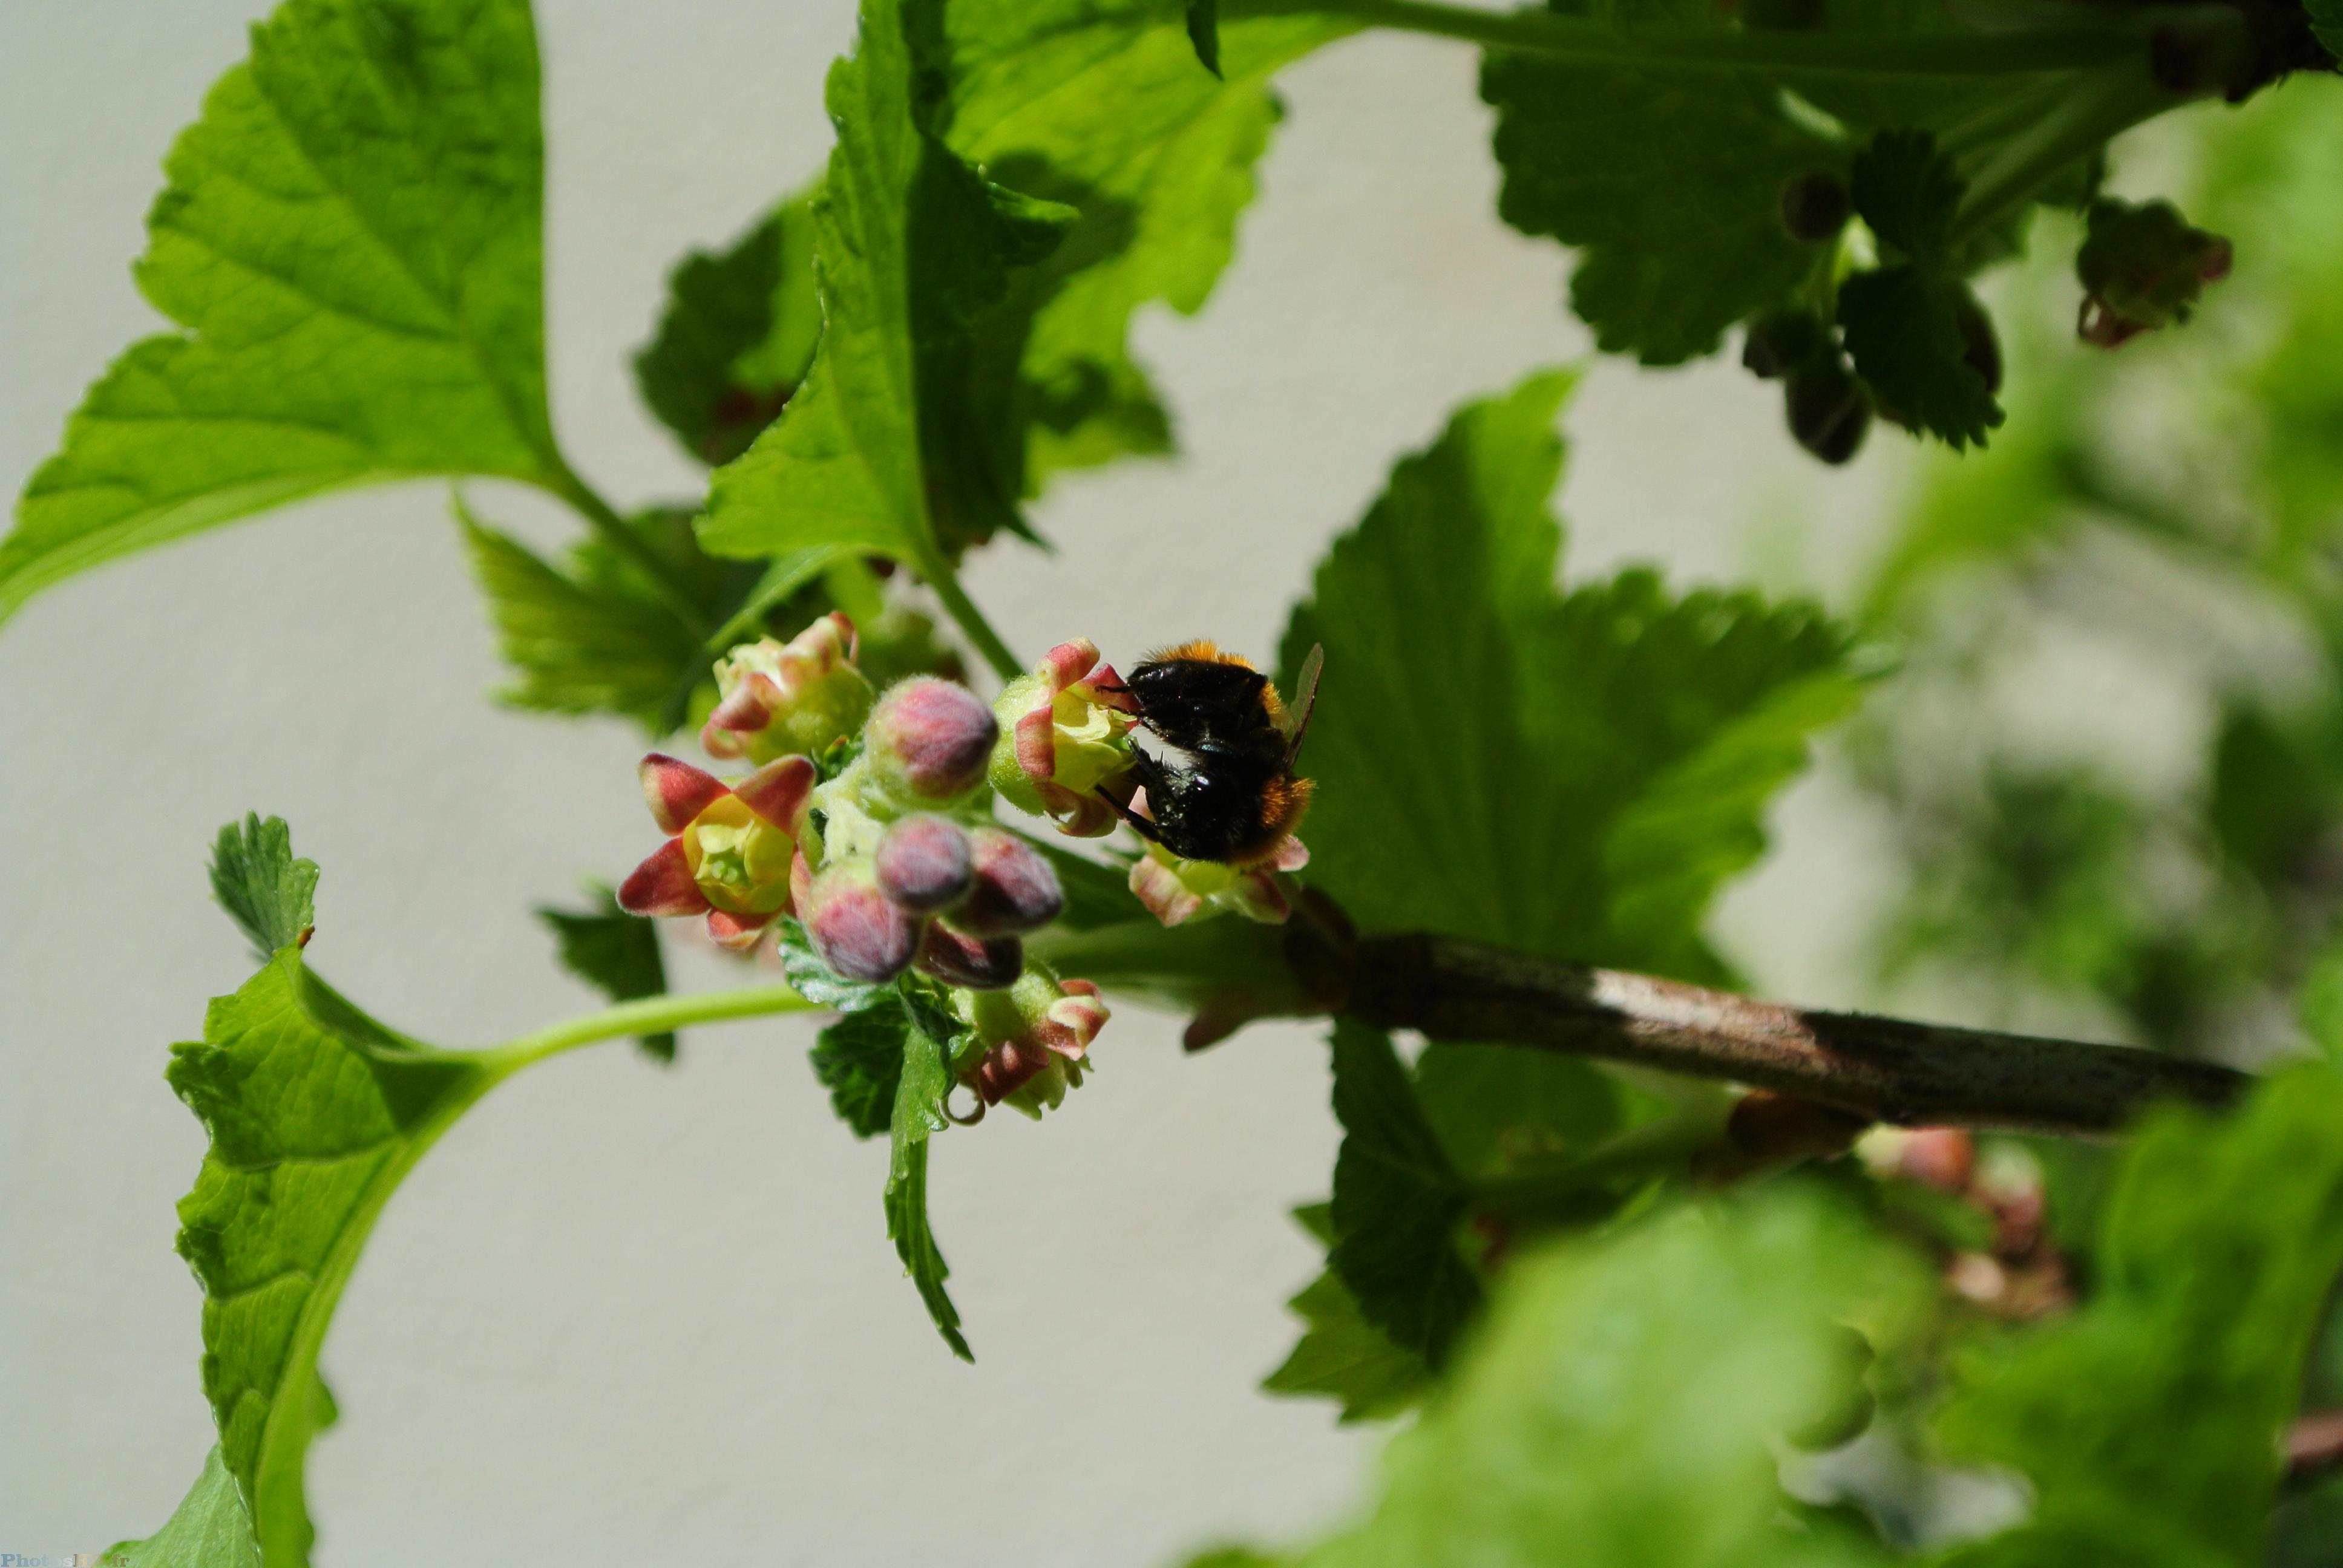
627 1315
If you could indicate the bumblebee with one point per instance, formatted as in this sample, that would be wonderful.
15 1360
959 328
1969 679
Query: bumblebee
1225 788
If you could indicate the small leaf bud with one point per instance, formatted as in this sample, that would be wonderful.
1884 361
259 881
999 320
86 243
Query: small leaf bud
1015 890
977 963
859 932
928 740
1814 206
924 863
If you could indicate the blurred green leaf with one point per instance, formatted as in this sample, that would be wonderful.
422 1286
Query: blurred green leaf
1570 775
737 335
349 237
615 952
2147 1424
207 1530
1498 1109
1622 1405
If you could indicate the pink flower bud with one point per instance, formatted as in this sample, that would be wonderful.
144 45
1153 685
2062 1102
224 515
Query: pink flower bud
924 863
1015 888
930 739
859 932
975 963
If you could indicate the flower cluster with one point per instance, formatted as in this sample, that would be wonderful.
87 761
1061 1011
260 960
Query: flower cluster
892 866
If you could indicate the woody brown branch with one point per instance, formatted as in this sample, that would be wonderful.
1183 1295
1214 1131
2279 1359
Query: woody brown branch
1882 1069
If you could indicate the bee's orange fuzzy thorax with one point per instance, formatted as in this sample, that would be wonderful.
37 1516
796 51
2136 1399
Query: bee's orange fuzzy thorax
1204 649
1283 802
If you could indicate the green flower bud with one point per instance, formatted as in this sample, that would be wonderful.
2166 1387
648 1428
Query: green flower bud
788 699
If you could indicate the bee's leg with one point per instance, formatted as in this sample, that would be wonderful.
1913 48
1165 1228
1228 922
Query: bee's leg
1143 827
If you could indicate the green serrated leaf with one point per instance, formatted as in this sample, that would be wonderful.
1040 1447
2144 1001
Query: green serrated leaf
860 1059
1204 32
1912 335
2147 1423
1571 776
1908 193
1670 186
881 450
1098 104
349 237
315 1113
915 1243
591 638
1343 1356
1624 1401
1397 1203
207 1530
267 891
737 335
2327 24
615 952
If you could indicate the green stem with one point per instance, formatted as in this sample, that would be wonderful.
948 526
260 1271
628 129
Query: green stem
2121 39
652 1015
2102 105
971 621
604 520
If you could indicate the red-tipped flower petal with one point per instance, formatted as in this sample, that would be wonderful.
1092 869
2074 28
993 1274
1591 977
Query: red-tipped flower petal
779 792
738 933
1068 662
677 791
662 885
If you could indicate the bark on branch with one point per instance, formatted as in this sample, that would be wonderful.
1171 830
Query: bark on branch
1884 1069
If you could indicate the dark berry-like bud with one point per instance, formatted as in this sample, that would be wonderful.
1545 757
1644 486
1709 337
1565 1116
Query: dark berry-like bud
1828 409
924 863
929 740
1015 890
1981 347
859 932
975 963
1779 341
1814 206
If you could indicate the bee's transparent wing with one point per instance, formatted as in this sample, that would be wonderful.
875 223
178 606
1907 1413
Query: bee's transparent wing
1306 697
